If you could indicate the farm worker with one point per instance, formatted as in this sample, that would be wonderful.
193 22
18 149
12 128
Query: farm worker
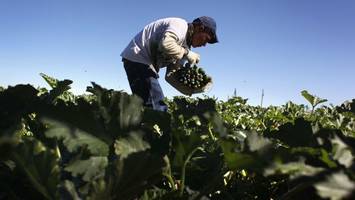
161 43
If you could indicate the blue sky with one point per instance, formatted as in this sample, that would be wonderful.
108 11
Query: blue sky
279 46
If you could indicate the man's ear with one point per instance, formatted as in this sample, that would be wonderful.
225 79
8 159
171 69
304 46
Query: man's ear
199 27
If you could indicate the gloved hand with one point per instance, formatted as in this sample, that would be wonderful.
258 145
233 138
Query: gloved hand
193 58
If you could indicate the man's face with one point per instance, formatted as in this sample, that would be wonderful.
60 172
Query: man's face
200 38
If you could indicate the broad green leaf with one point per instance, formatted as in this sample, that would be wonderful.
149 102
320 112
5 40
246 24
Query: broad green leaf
257 143
235 158
59 89
255 153
81 116
130 110
74 138
217 124
136 173
118 109
318 155
89 169
39 165
131 144
101 189
342 152
294 169
336 186
239 161
294 135
136 169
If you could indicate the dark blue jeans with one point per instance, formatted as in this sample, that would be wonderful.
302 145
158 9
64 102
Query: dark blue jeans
144 83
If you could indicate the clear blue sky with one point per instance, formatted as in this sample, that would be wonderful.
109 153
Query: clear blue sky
280 46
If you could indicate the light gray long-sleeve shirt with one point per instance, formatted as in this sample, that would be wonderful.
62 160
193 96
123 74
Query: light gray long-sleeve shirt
160 43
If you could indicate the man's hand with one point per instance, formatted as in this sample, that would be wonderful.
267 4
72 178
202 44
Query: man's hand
193 58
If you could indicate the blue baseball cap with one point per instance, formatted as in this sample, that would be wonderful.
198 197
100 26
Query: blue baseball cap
210 23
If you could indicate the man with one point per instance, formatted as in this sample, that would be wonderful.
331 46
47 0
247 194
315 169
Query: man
162 43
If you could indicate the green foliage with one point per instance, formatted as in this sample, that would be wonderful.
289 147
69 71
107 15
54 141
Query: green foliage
313 100
106 145
59 89
39 165
336 186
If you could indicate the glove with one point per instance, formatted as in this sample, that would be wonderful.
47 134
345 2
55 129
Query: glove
193 58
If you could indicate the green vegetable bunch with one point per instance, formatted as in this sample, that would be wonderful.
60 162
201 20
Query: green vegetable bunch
193 77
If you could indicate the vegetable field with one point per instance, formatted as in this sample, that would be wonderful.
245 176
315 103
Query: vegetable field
105 145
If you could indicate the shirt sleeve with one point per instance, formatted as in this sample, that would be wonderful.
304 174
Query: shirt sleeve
170 47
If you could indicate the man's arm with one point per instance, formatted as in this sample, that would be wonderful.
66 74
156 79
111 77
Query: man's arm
169 46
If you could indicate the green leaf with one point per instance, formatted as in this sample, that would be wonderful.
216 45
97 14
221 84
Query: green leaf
237 160
39 165
157 126
83 116
342 152
183 146
59 89
191 107
136 169
313 100
161 119
336 186
51 81
254 155
294 169
294 135
136 173
347 106
118 109
132 144
90 169
257 143
15 103
313 155
74 138
217 124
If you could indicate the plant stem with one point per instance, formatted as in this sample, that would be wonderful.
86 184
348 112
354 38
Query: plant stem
182 186
210 133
